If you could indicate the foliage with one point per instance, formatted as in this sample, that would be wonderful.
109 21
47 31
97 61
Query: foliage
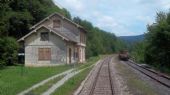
18 15
8 50
138 50
158 41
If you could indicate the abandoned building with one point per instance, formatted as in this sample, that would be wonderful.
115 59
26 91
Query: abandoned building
54 40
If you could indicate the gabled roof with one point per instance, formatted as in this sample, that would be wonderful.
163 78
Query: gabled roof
65 33
63 17
51 30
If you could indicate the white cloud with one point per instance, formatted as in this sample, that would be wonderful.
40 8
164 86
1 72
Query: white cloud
106 21
118 16
165 4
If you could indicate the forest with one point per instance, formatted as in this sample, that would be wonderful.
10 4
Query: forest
16 16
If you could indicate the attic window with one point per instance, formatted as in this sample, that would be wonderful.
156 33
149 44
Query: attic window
44 36
56 23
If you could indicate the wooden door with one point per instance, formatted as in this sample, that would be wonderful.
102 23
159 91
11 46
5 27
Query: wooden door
69 55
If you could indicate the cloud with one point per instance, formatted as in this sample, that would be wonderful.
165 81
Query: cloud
106 21
118 16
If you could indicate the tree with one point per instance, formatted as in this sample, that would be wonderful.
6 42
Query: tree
138 51
8 48
158 42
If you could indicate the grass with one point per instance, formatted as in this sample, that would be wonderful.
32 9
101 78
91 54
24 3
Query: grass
72 84
136 85
46 86
89 62
15 79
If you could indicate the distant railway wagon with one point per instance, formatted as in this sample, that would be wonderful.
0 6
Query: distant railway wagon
124 55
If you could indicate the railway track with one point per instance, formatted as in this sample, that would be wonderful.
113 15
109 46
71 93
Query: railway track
164 80
103 84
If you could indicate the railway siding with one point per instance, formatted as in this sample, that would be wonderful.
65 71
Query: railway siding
155 76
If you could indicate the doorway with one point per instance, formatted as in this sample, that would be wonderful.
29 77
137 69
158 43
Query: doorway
69 55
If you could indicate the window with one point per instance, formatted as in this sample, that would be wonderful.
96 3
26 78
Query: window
56 24
44 54
44 36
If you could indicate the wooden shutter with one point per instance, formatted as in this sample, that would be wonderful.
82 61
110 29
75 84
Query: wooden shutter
44 53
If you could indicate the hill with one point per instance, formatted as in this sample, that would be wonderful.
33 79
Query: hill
132 39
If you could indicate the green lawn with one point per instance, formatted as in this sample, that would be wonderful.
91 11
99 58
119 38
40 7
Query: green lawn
72 84
13 81
47 85
16 79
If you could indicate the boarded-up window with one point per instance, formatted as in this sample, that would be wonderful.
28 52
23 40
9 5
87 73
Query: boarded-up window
44 36
44 54
56 24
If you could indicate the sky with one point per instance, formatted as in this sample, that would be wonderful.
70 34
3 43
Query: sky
121 17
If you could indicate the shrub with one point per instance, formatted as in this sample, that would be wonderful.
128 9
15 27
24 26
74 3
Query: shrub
8 50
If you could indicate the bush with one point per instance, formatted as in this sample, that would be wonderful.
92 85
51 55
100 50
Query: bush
158 42
8 50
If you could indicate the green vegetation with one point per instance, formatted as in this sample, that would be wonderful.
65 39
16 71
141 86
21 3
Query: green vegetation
158 42
8 51
137 52
46 86
89 62
72 84
155 49
16 80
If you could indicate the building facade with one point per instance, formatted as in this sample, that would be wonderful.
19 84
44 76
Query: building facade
54 40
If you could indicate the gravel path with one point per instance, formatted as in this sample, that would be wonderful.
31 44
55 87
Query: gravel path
157 87
120 87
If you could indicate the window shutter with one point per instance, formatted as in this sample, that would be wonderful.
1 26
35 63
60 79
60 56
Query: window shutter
44 53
